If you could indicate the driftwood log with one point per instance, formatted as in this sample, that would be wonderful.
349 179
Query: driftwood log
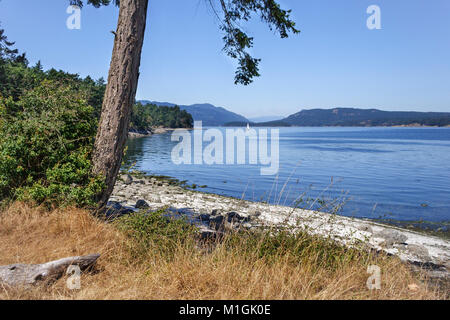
28 274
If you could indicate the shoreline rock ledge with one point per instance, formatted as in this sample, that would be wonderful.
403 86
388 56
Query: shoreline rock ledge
215 213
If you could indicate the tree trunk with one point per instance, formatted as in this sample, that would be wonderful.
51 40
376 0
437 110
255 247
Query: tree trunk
120 93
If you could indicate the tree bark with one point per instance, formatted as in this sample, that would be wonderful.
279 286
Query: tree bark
120 93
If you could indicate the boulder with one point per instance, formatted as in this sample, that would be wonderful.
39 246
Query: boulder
114 210
203 217
217 222
419 251
391 236
127 179
216 212
142 204
233 217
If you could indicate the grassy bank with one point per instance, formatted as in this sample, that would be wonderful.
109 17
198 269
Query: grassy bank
149 257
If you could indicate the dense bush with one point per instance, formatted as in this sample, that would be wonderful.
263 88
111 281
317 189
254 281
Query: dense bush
46 139
48 121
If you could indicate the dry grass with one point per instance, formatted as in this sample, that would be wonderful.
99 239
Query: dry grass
231 271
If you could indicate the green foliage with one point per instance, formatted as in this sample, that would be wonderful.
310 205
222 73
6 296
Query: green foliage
48 121
294 247
95 3
46 139
144 117
7 52
237 42
156 233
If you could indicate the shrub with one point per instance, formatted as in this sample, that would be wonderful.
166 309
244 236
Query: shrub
46 139
156 233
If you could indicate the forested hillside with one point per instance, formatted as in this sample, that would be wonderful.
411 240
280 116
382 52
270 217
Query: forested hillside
366 117
209 114
148 116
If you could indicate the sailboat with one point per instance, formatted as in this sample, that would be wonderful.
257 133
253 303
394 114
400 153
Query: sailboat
248 126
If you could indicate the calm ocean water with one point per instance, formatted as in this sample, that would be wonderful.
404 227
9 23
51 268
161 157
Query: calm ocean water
390 173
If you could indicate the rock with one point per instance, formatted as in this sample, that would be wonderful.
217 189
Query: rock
114 210
216 212
419 251
203 217
446 264
247 226
142 204
155 198
365 228
401 246
127 179
255 214
233 217
216 219
217 222
231 221
391 237
207 233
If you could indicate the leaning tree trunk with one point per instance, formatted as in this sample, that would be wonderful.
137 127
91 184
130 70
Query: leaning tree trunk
120 93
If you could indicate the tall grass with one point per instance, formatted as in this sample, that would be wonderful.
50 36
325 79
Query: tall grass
155 257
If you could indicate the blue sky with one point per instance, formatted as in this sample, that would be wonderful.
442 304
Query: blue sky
335 62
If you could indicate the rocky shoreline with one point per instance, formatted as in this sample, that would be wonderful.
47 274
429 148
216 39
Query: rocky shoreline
214 214
147 133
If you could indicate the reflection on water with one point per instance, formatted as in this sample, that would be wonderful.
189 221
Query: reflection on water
396 173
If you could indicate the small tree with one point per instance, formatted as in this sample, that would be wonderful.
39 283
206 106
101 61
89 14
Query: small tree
124 68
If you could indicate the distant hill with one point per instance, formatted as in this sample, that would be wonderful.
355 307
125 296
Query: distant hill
209 114
365 117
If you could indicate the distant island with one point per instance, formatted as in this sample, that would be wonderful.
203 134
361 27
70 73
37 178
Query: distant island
210 115
353 117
